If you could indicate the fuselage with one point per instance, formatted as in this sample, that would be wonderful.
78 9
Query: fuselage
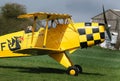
62 37
68 37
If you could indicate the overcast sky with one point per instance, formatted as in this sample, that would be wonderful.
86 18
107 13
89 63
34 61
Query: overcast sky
81 10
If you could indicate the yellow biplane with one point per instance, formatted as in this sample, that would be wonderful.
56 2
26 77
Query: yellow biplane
55 35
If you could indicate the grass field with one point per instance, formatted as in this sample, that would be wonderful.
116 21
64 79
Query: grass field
98 65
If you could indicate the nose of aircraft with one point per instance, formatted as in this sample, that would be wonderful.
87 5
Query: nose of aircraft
91 34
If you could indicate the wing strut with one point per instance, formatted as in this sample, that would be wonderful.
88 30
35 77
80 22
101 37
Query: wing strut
72 24
45 35
33 29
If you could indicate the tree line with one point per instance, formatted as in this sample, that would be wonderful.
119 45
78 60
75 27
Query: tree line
8 18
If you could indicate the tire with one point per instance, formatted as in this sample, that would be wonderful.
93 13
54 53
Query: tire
73 71
79 68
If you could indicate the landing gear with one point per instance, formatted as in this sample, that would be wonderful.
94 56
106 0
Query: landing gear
79 68
74 70
64 60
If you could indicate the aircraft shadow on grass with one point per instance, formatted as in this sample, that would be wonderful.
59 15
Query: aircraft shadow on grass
97 74
39 70
35 69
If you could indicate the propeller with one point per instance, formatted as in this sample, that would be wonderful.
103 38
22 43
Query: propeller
106 24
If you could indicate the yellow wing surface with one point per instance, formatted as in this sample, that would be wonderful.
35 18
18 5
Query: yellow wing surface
44 15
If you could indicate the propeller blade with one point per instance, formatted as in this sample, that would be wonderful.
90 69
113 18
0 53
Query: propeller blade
106 24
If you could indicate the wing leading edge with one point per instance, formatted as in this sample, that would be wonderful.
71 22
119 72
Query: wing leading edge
44 15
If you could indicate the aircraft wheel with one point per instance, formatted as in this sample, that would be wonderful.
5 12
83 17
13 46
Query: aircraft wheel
79 68
73 71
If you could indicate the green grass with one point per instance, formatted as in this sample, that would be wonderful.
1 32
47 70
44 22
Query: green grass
98 65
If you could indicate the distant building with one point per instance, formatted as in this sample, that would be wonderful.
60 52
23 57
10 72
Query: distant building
113 19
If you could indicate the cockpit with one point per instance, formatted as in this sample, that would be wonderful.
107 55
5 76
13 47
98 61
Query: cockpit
42 23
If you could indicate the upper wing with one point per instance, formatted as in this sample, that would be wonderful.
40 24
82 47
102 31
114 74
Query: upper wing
44 15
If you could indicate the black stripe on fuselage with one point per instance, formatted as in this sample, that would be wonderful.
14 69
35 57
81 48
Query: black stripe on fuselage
88 24
95 30
82 31
102 35
89 37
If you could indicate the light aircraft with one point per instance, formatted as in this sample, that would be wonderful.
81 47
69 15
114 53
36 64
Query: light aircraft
53 34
